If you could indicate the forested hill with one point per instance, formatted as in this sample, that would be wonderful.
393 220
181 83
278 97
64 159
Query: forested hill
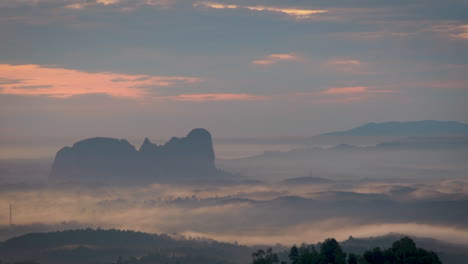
100 246
105 246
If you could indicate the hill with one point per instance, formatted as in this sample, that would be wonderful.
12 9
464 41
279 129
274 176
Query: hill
106 246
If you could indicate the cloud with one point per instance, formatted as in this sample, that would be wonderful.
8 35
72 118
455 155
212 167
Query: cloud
217 97
122 5
354 90
277 57
437 84
347 90
263 62
331 95
37 80
350 66
341 94
346 62
297 13
452 30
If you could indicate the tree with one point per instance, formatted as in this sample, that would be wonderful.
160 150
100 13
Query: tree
331 252
264 257
294 255
403 251
352 258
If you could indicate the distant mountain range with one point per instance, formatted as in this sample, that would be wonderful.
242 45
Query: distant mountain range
190 157
413 128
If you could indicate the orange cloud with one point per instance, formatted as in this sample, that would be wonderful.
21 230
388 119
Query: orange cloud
454 31
217 97
295 12
346 62
446 84
263 62
277 57
36 80
350 66
283 56
346 90
298 13
342 94
354 90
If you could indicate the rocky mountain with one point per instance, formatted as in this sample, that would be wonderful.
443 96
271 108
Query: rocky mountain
113 159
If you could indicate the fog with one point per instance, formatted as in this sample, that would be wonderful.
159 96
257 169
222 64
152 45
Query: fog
301 195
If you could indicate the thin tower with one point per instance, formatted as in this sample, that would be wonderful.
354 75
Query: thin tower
11 221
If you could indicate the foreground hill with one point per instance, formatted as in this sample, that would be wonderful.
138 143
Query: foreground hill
107 246
406 129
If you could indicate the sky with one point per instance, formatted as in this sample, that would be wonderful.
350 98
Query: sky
72 69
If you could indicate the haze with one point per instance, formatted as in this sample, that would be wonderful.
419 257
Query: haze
267 80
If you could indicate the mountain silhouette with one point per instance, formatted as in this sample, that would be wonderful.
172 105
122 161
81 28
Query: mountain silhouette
113 159
412 128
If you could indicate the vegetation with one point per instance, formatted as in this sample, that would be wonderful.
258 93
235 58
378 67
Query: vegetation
403 251
105 246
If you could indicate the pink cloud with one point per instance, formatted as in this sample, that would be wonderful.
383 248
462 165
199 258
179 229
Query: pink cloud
345 62
277 57
349 66
217 97
452 30
341 94
443 84
37 80
354 90
346 90
263 62
298 13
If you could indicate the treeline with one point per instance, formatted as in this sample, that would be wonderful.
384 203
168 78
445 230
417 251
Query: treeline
403 251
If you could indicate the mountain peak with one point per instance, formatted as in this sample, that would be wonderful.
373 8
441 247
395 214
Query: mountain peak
199 133
147 146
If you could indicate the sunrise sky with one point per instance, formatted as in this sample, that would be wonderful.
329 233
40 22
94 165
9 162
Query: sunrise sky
71 69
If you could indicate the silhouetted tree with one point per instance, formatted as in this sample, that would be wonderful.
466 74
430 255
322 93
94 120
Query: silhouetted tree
403 251
352 258
308 254
294 255
331 252
264 257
